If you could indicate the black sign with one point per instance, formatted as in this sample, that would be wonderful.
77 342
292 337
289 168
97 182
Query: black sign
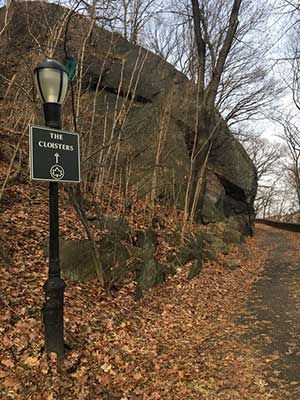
54 155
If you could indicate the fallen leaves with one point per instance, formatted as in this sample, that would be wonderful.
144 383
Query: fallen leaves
137 376
32 361
3 374
106 367
10 382
176 343
7 362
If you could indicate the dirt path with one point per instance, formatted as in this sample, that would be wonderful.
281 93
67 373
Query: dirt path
272 314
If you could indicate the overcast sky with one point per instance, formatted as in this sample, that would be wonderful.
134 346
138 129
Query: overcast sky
280 28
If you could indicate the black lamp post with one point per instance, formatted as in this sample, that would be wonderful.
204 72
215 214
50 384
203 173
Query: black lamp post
51 81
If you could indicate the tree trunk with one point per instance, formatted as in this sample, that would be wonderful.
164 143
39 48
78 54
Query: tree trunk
198 185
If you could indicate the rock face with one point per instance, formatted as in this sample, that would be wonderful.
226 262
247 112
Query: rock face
143 99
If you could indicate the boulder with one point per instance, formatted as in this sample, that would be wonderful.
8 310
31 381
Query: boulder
147 239
78 262
113 255
149 272
214 243
219 246
118 228
213 208
191 250
155 105
195 269
232 236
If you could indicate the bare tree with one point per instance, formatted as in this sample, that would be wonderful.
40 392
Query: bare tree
291 136
208 84
128 17
267 197
246 85
6 18
216 45
266 156
135 15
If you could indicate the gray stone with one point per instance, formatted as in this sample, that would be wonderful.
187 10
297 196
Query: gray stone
195 269
211 212
219 246
244 250
209 254
208 237
78 262
232 236
214 243
213 207
232 265
119 228
149 274
147 239
113 256
191 250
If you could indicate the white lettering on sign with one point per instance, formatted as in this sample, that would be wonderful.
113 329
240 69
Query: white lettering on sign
56 146
56 136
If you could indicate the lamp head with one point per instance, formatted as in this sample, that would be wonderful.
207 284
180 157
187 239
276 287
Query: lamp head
51 81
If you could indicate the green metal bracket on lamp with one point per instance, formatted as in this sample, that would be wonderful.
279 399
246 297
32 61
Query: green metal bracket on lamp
70 65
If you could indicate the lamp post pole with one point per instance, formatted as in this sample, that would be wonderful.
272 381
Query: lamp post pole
51 81
53 309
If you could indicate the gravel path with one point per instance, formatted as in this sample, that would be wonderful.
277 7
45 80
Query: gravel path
273 311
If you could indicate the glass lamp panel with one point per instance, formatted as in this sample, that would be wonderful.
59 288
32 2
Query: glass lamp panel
37 86
64 87
49 80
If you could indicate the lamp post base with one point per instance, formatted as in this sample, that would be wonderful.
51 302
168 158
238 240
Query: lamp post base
53 311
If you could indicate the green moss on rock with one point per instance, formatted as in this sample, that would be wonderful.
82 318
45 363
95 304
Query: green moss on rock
231 235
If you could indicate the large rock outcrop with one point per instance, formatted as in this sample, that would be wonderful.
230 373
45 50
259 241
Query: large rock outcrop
139 97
